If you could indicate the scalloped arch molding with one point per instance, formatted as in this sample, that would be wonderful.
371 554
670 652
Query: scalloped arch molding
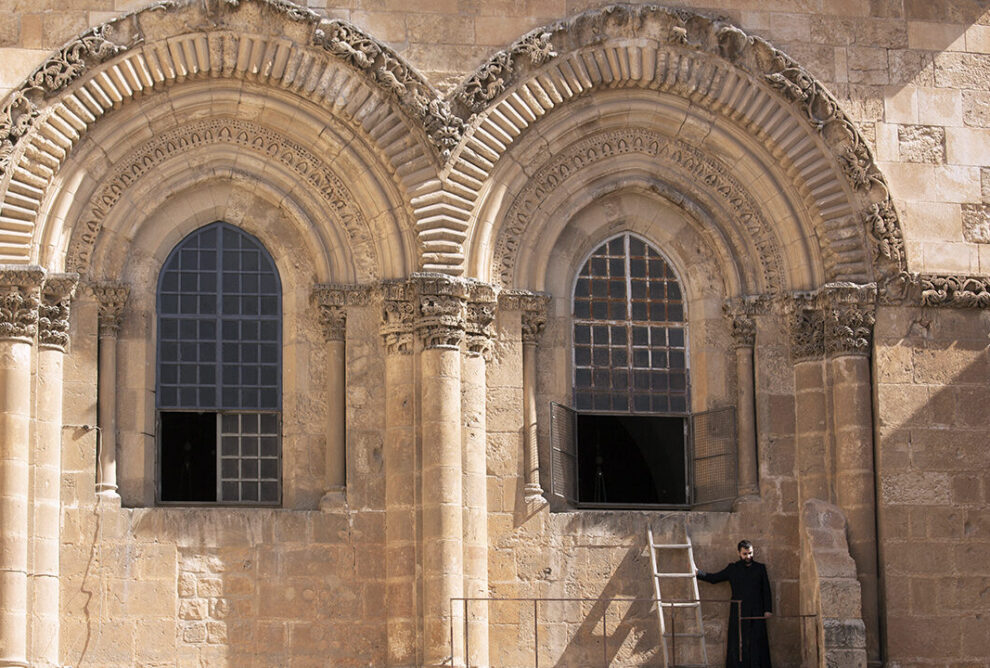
444 152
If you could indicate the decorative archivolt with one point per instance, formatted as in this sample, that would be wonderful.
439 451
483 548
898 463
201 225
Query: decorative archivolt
309 168
299 52
740 78
668 155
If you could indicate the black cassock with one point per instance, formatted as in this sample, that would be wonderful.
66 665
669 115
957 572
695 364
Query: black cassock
750 585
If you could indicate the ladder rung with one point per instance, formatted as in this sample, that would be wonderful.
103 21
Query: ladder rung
680 605
674 575
689 665
672 546
684 635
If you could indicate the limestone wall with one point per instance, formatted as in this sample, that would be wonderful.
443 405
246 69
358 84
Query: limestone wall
912 73
932 369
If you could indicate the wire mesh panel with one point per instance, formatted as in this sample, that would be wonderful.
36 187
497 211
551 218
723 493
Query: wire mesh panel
715 461
563 453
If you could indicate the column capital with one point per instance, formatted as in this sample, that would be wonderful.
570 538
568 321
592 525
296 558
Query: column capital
743 331
398 315
807 331
442 309
481 305
56 297
534 316
20 299
111 297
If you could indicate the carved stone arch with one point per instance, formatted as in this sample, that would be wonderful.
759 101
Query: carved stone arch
149 155
732 83
272 44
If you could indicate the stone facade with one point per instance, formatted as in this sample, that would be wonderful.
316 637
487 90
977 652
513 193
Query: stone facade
429 178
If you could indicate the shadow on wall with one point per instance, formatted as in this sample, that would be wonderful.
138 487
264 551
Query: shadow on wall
934 483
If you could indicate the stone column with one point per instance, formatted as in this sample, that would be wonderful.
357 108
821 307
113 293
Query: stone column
441 326
744 336
478 344
333 320
400 475
110 298
46 467
19 304
849 319
534 321
807 352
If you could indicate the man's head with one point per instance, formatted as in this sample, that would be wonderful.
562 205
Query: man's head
745 551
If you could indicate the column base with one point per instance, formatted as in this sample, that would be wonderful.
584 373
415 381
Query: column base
533 496
334 500
13 663
105 497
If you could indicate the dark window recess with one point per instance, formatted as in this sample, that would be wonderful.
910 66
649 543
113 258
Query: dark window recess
219 379
602 460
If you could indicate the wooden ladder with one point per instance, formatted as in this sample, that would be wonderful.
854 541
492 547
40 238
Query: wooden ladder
695 636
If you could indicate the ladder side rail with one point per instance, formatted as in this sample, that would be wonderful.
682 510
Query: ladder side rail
656 595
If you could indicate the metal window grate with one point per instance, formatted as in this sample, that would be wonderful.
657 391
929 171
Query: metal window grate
249 458
715 459
630 338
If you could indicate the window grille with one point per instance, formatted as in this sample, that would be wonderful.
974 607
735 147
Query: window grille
219 351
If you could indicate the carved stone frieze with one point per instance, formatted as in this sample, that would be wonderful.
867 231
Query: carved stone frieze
53 313
398 317
110 299
957 291
442 318
704 170
849 329
489 80
304 163
348 43
20 299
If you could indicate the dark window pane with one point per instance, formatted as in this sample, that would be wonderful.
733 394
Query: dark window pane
269 469
639 311
582 334
582 377
676 337
269 492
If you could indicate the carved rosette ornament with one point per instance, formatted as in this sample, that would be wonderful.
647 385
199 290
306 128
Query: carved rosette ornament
807 334
20 299
111 298
442 310
398 315
534 317
53 314
481 306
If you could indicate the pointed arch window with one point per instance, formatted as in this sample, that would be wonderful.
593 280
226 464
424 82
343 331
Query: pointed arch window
219 370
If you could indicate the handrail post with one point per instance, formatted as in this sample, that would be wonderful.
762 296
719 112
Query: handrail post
536 634
467 641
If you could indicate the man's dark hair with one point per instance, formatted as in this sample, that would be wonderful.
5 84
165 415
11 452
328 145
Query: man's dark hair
743 544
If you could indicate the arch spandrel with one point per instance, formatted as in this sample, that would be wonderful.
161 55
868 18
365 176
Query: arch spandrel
281 48
734 84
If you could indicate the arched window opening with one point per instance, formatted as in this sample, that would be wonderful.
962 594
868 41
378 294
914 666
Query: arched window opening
630 438
219 371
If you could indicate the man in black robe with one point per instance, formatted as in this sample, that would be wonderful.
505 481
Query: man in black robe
751 586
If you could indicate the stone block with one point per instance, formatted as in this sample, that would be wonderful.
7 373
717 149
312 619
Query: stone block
920 488
844 633
929 36
921 143
976 223
940 106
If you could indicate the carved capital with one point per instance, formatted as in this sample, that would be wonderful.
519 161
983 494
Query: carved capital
53 314
849 329
398 315
330 305
442 313
743 331
534 316
20 299
481 306
110 298
807 333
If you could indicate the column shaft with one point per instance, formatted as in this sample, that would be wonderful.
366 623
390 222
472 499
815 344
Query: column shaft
532 452
475 491
442 501
15 432
746 422
46 469
336 453
400 509
811 435
106 482
853 424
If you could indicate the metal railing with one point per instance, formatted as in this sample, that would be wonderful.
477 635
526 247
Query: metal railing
464 601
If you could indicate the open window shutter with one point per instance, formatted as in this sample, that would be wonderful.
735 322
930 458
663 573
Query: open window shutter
563 453
713 436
